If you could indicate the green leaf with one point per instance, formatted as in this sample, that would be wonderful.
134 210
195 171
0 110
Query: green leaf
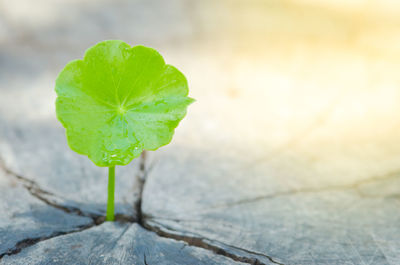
118 101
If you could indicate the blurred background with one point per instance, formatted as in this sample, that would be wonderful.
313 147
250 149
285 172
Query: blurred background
317 79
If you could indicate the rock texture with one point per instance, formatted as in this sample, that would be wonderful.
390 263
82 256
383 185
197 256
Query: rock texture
26 219
114 243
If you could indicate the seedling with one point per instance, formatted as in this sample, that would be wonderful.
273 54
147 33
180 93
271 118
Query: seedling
118 101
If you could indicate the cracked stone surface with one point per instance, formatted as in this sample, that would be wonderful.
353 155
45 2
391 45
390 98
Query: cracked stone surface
114 243
25 218
29 149
288 156
322 227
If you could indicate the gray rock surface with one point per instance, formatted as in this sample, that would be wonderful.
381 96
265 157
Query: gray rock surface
354 224
40 153
25 219
114 243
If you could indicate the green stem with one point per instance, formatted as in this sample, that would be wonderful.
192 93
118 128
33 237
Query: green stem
111 187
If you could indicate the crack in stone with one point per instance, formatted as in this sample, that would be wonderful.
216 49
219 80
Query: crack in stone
141 180
216 247
27 242
45 196
198 241
34 189
354 186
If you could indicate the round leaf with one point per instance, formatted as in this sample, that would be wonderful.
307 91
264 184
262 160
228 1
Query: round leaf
118 101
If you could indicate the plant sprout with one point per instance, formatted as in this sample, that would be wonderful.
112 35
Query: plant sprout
118 101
